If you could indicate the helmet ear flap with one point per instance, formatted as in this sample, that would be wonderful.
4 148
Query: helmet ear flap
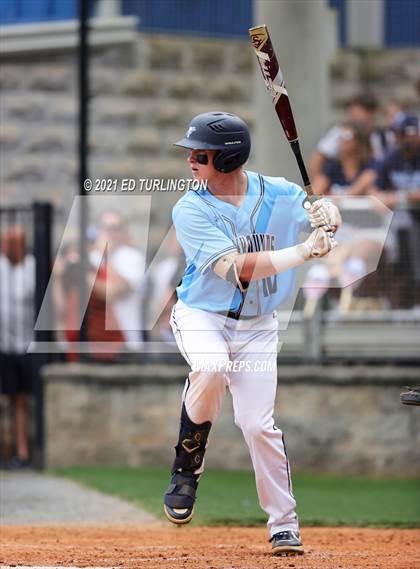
218 161
227 161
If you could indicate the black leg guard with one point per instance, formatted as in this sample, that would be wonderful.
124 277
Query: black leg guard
179 498
191 444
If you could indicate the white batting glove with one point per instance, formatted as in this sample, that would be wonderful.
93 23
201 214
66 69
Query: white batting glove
325 214
318 244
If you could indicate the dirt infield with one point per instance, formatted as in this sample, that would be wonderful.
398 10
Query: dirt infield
166 547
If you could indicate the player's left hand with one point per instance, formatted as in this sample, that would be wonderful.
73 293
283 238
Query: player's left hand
324 213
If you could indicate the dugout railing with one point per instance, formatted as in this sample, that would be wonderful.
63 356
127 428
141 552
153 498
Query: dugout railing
388 336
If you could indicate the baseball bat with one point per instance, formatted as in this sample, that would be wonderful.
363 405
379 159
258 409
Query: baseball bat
274 82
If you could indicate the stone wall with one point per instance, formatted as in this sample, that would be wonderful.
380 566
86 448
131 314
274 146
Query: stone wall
142 95
388 73
336 419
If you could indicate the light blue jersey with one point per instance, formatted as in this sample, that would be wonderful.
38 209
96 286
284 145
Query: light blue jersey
270 217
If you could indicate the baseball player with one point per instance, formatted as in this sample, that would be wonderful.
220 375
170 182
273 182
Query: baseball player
240 237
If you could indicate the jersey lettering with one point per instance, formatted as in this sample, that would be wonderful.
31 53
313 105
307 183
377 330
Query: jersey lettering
253 243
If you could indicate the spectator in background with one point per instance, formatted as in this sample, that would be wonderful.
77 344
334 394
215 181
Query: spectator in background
395 109
123 286
100 320
398 175
398 186
115 283
352 171
17 288
360 109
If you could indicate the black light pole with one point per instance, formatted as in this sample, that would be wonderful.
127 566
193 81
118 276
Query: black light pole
42 237
83 158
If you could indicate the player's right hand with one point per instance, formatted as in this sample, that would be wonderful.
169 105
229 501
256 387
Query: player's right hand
319 243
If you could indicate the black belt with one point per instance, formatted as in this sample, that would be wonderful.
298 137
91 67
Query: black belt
237 315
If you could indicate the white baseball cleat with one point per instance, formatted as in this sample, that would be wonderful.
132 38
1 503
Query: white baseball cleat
285 543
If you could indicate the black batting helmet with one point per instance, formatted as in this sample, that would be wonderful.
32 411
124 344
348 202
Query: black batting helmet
223 132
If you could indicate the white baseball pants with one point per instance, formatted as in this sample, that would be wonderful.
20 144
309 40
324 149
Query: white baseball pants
243 356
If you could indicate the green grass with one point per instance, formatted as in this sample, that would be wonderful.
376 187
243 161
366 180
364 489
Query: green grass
230 497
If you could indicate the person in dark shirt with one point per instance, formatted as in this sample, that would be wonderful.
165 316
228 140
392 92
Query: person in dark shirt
398 180
397 185
353 171
361 109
